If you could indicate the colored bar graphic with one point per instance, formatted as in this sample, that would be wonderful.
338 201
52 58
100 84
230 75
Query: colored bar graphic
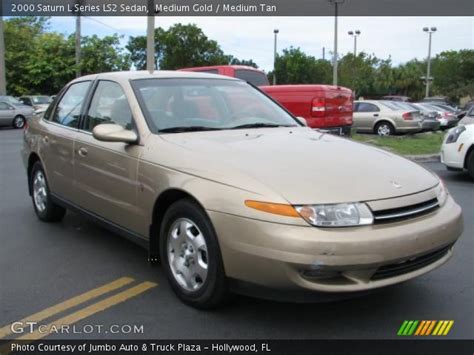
425 327
402 328
418 330
430 328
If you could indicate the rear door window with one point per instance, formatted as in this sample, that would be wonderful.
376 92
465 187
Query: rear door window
366 107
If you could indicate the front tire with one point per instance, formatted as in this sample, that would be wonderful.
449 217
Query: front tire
18 122
45 208
470 164
384 129
191 256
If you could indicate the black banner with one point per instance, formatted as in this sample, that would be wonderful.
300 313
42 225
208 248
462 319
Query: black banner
273 347
237 7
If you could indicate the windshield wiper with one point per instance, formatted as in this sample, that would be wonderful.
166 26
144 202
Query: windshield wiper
260 125
187 129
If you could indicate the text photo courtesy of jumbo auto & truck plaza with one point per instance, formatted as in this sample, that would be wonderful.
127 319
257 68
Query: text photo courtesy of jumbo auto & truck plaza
236 176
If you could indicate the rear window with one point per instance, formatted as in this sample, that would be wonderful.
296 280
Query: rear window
254 77
208 71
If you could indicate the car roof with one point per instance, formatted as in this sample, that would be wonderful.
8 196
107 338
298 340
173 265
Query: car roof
158 74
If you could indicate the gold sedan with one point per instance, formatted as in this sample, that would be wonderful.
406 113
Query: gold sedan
233 193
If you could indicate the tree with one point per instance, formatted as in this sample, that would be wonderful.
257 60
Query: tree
100 55
296 67
178 47
453 73
42 62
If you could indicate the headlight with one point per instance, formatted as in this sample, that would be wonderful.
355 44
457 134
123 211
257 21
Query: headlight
337 215
442 193
454 134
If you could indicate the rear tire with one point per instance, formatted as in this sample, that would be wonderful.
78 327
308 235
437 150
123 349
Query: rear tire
45 208
191 256
470 164
18 122
384 129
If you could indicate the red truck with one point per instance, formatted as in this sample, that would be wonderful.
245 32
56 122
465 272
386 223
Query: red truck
326 107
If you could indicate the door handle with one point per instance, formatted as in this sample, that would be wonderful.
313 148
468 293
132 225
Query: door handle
376 115
82 152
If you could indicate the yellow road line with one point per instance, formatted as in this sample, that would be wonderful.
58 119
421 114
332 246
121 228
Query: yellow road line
90 310
72 302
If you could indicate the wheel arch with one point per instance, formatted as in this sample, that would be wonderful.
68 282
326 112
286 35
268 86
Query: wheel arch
382 120
32 159
162 203
468 153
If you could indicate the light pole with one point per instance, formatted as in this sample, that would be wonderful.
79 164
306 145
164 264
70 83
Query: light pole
334 60
354 34
275 32
150 38
430 31
3 83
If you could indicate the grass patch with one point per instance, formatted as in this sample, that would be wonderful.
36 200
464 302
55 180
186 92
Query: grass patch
421 143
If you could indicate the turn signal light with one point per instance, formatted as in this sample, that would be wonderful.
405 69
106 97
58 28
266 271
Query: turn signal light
274 208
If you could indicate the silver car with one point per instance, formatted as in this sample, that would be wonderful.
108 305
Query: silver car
384 118
14 115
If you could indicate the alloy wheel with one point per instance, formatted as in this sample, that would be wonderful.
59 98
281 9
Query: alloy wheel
187 254
40 194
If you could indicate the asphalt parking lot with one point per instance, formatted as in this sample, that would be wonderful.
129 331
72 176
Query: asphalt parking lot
42 265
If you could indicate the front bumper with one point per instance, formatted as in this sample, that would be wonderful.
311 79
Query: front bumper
277 256
453 154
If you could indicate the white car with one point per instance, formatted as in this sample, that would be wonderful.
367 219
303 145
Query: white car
457 151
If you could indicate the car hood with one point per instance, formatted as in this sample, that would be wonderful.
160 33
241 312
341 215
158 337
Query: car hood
303 166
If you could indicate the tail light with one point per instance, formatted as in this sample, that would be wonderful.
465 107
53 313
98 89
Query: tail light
407 116
448 114
318 107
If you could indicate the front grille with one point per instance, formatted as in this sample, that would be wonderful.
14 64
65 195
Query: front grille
401 213
410 265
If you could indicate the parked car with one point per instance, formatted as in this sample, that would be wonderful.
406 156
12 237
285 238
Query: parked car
10 99
396 98
325 107
385 118
37 102
468 105
14 115
457 151
439 100
469 118
446 118
429 118
235 196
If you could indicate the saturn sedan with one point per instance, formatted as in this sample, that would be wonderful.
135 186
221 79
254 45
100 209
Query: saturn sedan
233 193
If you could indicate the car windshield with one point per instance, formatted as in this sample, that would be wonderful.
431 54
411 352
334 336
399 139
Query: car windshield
181 105
40 100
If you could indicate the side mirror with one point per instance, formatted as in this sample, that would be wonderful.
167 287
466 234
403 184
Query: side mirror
302 121
114 133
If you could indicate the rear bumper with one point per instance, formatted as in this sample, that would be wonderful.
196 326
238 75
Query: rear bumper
430 125
287 257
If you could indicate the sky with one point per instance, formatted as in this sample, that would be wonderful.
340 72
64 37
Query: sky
400 38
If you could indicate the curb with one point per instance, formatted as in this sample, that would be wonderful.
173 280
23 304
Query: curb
430 158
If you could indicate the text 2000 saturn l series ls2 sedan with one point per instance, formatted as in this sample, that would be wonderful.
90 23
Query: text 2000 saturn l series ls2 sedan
231 191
